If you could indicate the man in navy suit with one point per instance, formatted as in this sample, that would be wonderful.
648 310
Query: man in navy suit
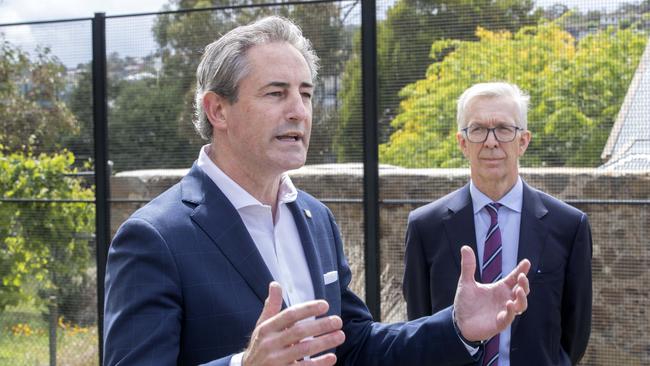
234 265
503 219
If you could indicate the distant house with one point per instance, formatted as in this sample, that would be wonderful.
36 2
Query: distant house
628 145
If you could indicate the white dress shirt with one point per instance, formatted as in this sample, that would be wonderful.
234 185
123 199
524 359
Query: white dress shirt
277 240
509 223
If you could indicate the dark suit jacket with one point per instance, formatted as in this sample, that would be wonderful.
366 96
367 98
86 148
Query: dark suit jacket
185 285
554 236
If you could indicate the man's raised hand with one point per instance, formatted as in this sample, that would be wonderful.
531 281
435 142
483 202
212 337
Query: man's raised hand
288 336
484 310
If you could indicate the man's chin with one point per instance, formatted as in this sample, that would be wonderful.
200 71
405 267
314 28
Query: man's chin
293 164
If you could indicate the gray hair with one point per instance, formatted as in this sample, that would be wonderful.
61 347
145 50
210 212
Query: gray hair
224 63
493 90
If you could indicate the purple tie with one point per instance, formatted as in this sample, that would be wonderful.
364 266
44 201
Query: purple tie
491 272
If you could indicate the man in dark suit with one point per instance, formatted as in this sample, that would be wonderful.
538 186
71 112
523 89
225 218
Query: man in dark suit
187 275
502 219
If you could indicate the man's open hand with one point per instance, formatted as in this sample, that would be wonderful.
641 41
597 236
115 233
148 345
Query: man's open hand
288 336
484 310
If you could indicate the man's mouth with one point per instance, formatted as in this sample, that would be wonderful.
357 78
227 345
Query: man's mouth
290 137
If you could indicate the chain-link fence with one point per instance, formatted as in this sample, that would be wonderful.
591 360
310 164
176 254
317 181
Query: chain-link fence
585 69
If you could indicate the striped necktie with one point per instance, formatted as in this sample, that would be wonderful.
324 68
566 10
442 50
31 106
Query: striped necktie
491 272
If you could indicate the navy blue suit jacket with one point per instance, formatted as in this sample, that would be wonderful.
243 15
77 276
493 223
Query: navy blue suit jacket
185 285
554 236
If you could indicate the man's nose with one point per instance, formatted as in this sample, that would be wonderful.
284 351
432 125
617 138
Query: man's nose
491 140
298 109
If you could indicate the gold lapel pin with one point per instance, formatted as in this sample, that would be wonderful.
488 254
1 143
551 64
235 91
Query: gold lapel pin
308 213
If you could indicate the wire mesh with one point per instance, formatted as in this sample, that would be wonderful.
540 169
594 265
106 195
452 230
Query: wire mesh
583 63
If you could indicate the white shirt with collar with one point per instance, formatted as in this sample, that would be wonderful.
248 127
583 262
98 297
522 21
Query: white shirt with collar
277 241
509 224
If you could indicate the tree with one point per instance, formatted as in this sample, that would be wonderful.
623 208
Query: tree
143 132
80 100
403 44
576 91
32 112
44 244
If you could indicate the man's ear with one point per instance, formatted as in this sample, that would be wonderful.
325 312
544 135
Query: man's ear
215 107
462 143
524 141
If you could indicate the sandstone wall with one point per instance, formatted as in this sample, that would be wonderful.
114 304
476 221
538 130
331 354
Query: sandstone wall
617 205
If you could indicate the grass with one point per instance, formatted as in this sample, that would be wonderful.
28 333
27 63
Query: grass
24 341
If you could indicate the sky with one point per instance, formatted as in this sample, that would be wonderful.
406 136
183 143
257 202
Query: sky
28 10
71 42
12 11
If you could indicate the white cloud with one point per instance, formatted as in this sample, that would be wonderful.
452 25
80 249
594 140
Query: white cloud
12 11
71 42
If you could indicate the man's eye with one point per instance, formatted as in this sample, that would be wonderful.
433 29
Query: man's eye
477 129
275 93
505 128
306 95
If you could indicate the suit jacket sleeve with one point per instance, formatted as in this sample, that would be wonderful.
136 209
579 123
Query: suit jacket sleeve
576 300
415 285
427 340
143 307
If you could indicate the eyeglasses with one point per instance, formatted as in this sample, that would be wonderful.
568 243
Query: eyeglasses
479 134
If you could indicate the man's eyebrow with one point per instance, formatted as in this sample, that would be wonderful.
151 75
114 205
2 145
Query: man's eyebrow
283 84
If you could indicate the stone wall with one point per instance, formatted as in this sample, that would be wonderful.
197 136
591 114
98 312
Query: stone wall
617 205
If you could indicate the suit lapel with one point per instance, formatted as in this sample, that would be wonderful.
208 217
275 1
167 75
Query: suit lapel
532 234
532 231
459 226
220 221
311 254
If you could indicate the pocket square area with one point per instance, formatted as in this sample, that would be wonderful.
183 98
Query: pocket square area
330 277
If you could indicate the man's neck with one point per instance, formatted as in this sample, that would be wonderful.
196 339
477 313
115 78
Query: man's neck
264 187
495 189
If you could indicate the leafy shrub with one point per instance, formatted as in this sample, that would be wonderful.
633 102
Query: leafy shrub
45 249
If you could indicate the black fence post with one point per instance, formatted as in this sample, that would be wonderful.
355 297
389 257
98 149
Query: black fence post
370 155
102 174
53 320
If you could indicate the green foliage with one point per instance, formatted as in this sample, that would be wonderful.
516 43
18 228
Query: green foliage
32 112
403 43
576 88
43 242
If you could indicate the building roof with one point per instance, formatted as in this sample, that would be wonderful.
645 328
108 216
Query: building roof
628 145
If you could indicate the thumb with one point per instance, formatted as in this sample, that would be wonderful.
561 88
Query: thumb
467 264
272 304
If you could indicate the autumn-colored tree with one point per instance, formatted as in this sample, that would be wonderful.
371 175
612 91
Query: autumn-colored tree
576 88
403 44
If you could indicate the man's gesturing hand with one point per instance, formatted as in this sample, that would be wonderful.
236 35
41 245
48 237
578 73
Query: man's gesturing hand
484 310
288 336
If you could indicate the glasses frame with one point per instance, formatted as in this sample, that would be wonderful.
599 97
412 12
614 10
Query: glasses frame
494 132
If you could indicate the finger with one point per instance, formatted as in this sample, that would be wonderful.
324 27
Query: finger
327 359
522 281
272 304
312 346
311 328
521 301
468 264
522 267
290 316
505 317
